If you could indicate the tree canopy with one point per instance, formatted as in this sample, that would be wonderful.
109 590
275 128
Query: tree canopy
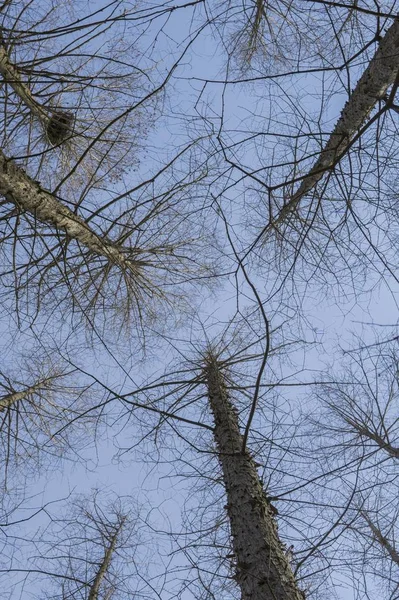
199 276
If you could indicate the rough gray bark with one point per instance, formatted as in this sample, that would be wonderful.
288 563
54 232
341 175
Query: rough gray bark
380 74
105 564
29 196
263 568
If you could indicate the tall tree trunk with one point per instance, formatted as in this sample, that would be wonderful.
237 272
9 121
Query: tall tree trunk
263 568
105 563
380 74
28 195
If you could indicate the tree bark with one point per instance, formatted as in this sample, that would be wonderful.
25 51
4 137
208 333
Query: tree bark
12 76
105 564
10 399
382 540
263 568
371 435
28 195
380 74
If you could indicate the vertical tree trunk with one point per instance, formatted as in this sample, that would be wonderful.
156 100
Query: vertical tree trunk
105 563
263 569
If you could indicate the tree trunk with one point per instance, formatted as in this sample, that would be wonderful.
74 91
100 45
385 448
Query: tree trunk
57 124
29 196
382 539
371 87
9 400
263 568
105 564
11 75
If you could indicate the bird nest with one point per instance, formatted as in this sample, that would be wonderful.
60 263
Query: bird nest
60 127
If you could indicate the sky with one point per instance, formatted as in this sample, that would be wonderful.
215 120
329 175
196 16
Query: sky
331 325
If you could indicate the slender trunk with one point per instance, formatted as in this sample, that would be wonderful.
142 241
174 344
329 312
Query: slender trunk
382 540
263 569
29 196
366 432
380 74
12 76
105 564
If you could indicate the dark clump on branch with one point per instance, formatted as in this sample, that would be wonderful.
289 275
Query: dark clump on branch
60 127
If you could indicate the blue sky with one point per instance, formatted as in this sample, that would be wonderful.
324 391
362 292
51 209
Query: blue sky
331 324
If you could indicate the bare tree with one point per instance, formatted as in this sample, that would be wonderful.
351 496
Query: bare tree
357 435
186 419
93 552
47 413
73 231
314 60
83 232
263 567
380 74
